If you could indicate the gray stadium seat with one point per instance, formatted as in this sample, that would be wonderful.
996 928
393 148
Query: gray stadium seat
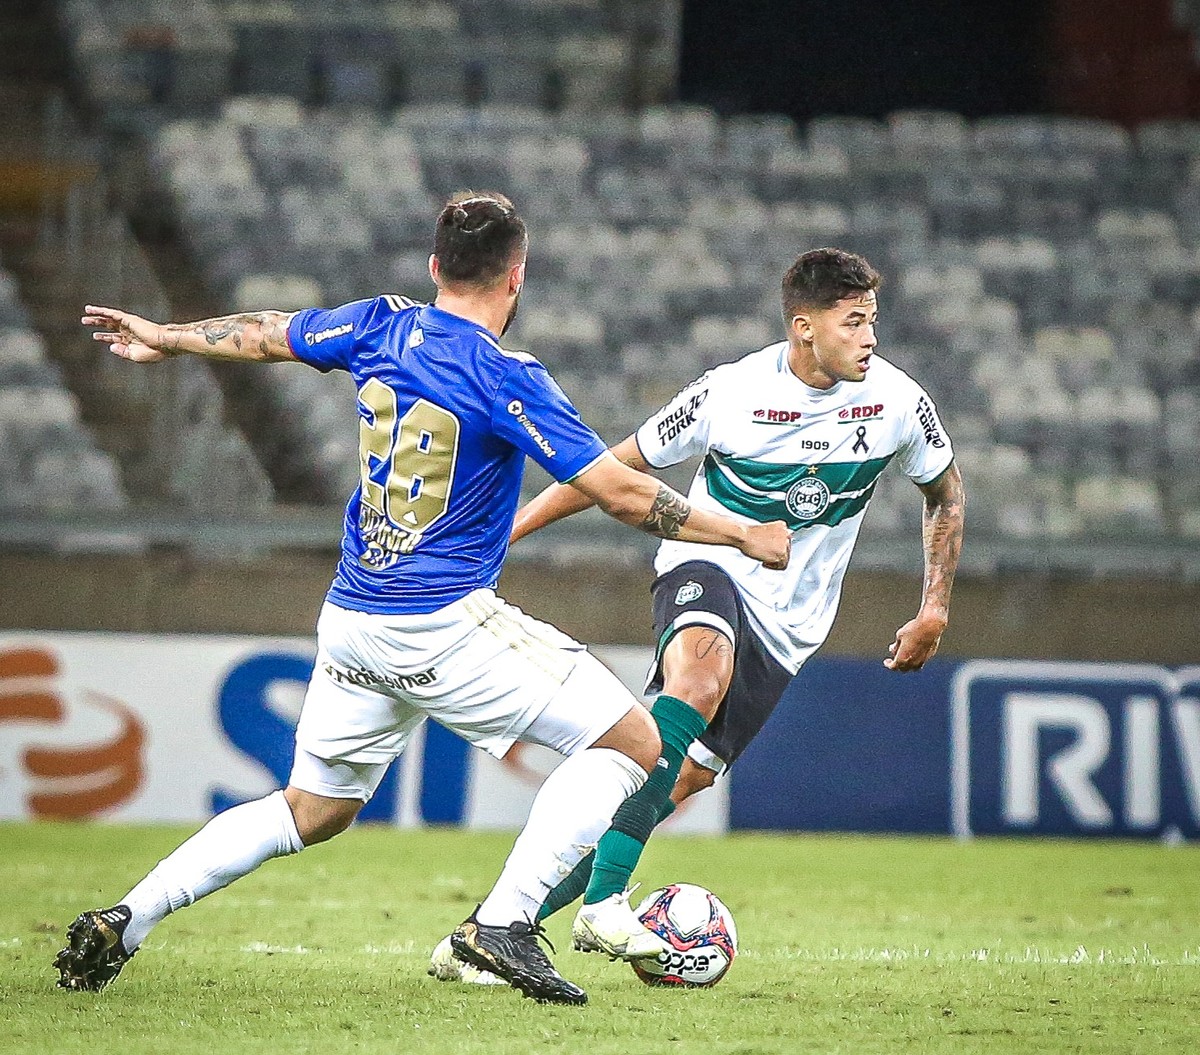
1047 265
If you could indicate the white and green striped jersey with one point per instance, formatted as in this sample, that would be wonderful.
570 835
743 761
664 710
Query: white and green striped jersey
774 448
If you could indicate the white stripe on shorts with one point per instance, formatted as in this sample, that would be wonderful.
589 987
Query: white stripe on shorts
708 619
502 621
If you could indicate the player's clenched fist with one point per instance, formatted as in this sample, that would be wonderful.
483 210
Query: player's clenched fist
770 543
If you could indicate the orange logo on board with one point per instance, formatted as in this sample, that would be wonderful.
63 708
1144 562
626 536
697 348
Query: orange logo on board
75 780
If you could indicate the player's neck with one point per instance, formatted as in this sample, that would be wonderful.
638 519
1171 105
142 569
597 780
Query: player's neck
487 311
804 365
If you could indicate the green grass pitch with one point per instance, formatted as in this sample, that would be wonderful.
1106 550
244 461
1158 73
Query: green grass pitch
848 944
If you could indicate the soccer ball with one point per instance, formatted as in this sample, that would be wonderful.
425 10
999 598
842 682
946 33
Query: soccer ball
699 929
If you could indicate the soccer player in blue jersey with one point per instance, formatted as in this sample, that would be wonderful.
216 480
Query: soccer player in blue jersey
411 627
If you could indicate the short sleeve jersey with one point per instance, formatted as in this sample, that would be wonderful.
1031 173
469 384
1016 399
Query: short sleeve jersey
446 417
774 448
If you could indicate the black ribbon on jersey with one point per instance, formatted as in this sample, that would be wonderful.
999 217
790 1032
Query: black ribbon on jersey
860 444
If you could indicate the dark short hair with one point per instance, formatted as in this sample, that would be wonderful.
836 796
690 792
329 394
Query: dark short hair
821 277
476 237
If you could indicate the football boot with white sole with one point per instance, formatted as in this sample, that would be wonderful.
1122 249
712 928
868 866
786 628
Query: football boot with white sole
613 928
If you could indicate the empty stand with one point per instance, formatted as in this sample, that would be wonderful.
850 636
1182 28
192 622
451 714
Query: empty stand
51 462
1041 272
1029 287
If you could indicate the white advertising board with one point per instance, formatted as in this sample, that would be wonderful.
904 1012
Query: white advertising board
128 727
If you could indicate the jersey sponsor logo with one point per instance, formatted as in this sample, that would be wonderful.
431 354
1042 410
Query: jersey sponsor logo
682 417
929 423
866 412
776 417
372 679
689 591
517 409
312 338
808 498
416 338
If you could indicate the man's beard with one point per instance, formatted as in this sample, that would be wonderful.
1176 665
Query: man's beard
512 314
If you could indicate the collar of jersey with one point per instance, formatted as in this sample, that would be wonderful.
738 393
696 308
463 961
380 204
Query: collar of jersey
448 320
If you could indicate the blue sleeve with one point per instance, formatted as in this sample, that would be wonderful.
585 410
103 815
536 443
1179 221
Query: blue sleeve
534 415
325 337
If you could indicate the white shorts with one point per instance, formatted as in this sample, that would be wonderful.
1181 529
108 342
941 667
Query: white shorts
479 666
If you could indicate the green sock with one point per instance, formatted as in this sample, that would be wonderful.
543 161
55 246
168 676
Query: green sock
621 847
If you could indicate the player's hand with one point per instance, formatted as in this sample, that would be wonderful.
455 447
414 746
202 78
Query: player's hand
770 544
916 642
127 335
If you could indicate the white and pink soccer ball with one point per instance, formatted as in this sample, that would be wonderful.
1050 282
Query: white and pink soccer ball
699 929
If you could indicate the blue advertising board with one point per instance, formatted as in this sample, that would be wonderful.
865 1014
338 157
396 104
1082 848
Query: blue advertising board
979 747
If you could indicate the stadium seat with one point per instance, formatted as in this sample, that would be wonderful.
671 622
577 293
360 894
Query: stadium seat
74 480
1120 505
282 292
1046 264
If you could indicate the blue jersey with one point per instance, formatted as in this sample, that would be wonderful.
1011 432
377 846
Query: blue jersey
446 418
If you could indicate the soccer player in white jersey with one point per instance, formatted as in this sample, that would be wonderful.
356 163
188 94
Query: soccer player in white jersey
411 627
798 431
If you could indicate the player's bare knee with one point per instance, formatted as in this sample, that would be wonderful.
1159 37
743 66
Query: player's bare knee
319 818
701 690
645 743
635 735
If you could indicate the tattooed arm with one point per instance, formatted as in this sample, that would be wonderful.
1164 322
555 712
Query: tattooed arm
941 533
563 500
257 336
638 499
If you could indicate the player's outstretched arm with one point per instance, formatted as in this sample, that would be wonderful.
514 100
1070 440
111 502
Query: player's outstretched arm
941 533
642 501
257 336
559 501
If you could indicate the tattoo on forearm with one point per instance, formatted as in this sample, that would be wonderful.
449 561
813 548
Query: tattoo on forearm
274 333
943 533
218 329
667 515
271 342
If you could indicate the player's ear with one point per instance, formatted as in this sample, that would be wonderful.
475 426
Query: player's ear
434 269
516 278
801 326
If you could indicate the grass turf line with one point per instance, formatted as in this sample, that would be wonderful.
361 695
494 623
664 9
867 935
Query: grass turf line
848 944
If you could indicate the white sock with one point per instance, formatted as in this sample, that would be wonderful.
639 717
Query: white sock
573 808
229 846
